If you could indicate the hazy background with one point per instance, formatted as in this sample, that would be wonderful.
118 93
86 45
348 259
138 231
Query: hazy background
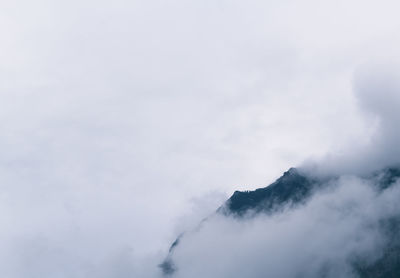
123 122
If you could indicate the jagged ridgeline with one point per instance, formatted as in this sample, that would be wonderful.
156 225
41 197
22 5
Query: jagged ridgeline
294 189
290 189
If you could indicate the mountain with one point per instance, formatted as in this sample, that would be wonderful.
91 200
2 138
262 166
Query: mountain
290 189
294 189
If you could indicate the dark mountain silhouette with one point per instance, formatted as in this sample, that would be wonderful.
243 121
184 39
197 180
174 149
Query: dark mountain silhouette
290 189
294 188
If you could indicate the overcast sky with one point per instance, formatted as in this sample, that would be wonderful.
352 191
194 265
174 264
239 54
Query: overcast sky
123 122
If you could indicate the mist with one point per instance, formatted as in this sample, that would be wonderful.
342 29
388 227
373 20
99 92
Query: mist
124 124
342 226
376 88
324 238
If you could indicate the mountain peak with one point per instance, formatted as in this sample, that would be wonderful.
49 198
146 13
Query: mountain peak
292 187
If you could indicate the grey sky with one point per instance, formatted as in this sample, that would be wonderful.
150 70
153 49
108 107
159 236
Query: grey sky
121 120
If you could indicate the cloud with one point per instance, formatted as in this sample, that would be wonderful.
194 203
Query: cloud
376 88
114 116
341 226
324 238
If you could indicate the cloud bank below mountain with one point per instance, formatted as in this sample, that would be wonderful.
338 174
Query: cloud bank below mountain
338 228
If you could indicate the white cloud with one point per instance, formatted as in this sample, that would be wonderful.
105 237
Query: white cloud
115 115
323 238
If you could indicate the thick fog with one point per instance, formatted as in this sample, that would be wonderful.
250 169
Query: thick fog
341 225
376 88
125 123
